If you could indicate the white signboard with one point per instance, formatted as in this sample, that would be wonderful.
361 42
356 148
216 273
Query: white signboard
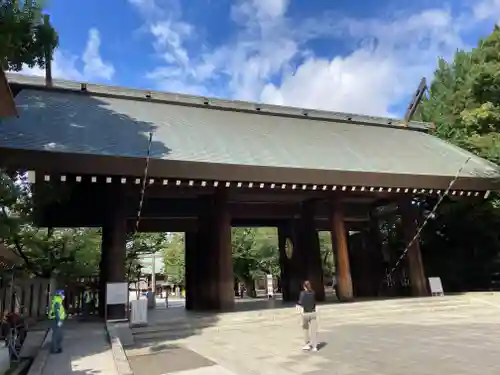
270 285
116 293
436 286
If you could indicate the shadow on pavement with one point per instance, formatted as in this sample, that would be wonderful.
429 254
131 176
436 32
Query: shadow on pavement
161 359
321 345
86 351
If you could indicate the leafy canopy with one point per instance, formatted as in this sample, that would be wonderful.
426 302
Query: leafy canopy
462 245
26 35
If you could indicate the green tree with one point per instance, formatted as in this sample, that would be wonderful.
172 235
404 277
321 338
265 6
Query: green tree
46 252
174 259
140 244
326 251
255 254
26 35
462 244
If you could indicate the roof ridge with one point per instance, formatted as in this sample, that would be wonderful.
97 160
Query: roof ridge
214 103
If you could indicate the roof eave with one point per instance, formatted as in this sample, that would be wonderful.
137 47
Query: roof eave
59 163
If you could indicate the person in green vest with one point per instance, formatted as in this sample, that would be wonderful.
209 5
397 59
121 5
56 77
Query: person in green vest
57 314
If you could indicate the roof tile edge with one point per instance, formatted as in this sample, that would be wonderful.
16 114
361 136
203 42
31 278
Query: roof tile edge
236 105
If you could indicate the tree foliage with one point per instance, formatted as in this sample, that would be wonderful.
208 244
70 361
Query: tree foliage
174 259
46 252
326 250
462 245
26 35
255 252
141 244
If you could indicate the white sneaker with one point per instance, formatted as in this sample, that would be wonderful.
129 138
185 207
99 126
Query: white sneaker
306 347
315 349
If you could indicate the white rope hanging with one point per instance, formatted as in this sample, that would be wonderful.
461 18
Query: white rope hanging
144 184
429 216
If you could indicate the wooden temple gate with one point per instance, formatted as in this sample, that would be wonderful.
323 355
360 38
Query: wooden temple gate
214 164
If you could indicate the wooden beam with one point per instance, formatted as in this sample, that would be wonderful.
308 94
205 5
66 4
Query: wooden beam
352 181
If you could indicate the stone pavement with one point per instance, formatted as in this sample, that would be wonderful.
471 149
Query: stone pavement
87 352
209 370
452 335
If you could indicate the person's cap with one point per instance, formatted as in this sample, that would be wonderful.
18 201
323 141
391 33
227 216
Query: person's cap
59 292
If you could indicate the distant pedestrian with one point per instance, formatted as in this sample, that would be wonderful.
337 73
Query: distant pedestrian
87 303
307 307
242 290
335 286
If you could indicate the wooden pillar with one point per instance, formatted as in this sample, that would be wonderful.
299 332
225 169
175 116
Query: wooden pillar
414 256
114 237
377 266
192 269
222 251
370 265
292 261
296 270
309 249
284 241
214 276
339 239
103 269
356 262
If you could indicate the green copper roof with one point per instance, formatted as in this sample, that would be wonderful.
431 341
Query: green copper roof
117 125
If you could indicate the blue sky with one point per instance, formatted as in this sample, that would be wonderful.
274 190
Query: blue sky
329 54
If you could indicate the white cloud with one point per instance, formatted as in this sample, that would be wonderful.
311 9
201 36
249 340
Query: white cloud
87 67
93 65
269 58
386 65
487 9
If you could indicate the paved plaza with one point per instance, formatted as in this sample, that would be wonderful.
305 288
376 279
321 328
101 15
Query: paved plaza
441 335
